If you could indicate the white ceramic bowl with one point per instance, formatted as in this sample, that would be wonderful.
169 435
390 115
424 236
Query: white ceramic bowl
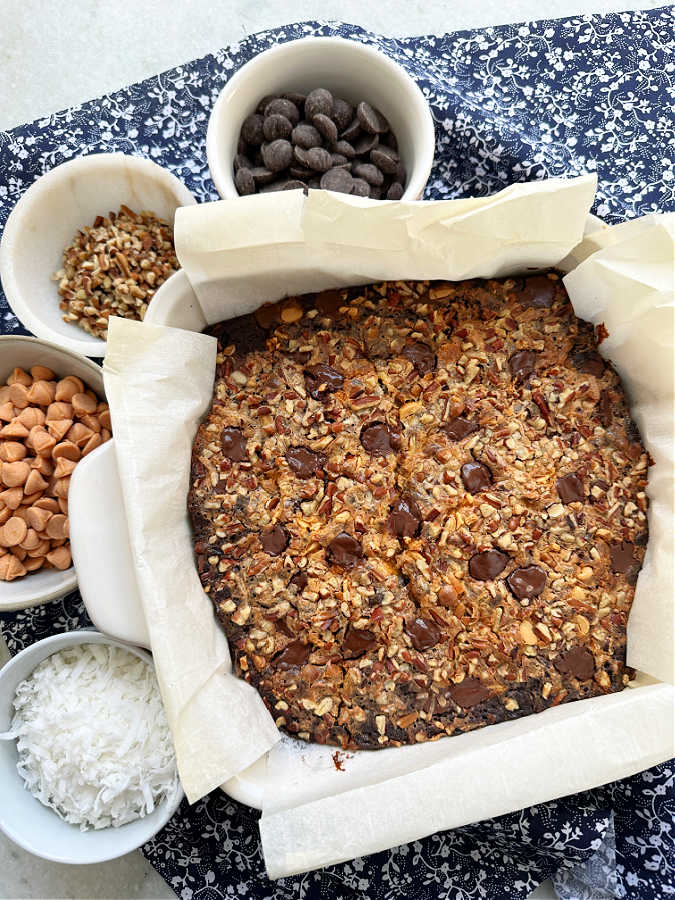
47 217
351 70
23 818
15 350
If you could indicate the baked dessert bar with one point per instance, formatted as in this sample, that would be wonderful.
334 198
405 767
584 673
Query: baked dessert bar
419 508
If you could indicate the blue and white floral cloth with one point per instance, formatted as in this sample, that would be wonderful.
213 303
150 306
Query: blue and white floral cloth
513 103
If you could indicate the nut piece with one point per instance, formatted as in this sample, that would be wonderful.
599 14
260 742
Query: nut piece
527 632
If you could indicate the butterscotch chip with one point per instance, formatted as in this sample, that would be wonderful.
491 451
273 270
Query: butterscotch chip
32 565
34 483
31 416
14 474
92 422
47 503
12 451
41 393
59 428
67 449
11 568
60 558
5 514
94 441
37 518
66 389
79 434
41 373
63 505
19 376
19 552
61 487
12 497
18 394
57 527
59 410
41 550
43 465
14 430
83 404
64 467
29 499
104 419
31 541
384 514
7 411
13 532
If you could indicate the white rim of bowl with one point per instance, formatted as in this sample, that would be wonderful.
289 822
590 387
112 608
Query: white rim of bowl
61 641
71 584
224 181
86 346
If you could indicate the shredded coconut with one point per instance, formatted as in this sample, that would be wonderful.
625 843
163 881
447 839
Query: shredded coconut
93 738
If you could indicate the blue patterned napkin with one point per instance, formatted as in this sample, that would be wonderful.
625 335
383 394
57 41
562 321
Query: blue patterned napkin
513 103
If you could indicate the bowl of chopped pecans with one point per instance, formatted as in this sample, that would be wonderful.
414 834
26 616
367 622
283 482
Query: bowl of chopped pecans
90 239
52 414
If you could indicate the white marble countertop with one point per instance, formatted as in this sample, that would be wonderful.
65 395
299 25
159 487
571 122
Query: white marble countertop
54 56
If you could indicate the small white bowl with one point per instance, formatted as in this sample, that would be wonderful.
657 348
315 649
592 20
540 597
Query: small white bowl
28 822
46 219
347 68
16 350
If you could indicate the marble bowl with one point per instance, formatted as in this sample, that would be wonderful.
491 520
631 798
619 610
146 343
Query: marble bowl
47 217
24 352
351 70
36 827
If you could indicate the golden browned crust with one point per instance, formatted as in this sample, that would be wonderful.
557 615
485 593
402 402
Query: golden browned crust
419 508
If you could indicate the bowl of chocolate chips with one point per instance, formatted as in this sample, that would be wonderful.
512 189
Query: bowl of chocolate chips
325 113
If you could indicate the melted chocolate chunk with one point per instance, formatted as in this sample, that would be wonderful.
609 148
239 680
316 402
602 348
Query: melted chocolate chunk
268 316
522 364
469 692
329 302
357 642
293 656
577 663
570 489
321 380
405 517
378 439
233 443
243 331
588 361
421 356
459 428
423 633
275 540
622 557
299 580
527 582
487 565
476 476
305 463
538 291
344 550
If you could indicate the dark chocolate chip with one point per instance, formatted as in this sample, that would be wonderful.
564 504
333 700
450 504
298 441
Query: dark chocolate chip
487 565
277 155
369 173
378 439
293 656
327 127
262 175
340 161
400 173
522 363
244 182
343 113
260 108
395 191
252 130
459 428
276 127
421 356
346 149
527 582
576 663
344 550
305 463
360 188
405 517
319 159
476 476
319 103
305 136
370 119
337 179
538 291
357 642
390 140
296 98
424 633
329 302
588 361
300 172
275 540
622 557
375 193
242 162
352 131
570 488
365 143
385 159
283 107
322 379
469 692
292 184
233 444
299 581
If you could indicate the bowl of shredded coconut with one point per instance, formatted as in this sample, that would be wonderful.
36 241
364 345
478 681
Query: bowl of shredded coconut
87 765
